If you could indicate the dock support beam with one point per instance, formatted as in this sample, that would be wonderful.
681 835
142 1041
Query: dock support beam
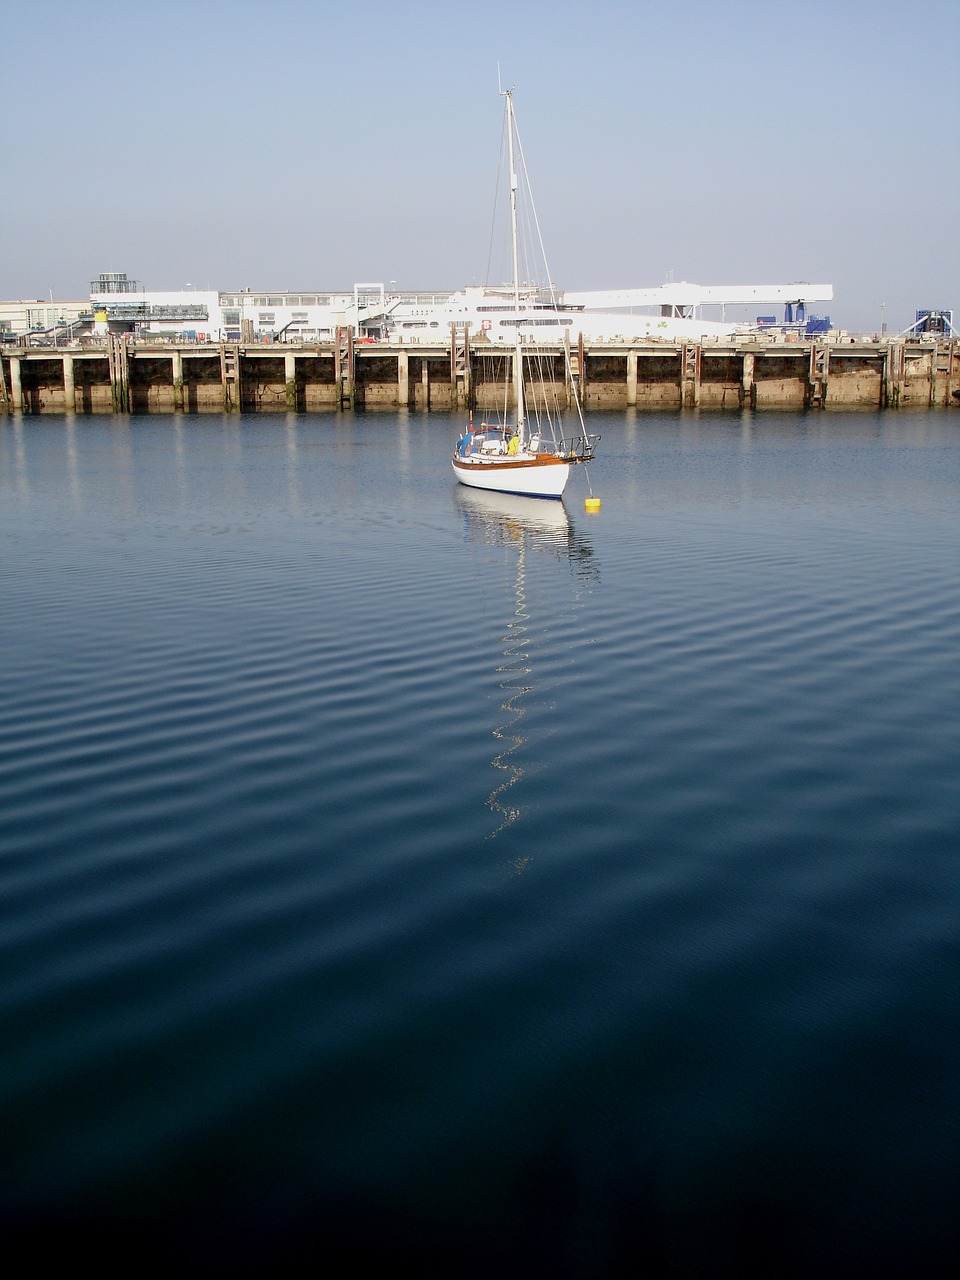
176 370
942 372
460 365
69 385
748 386
119 356
631 378
290 378
345 369
575 370
891 378
16 386
690 375
403 380
567 369
230 377
819 375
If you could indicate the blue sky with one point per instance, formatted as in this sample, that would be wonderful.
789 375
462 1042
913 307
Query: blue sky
291 144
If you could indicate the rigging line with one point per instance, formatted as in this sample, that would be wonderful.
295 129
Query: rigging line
543 254
533 210
496 202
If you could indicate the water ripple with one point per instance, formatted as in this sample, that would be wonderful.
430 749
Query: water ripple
267 697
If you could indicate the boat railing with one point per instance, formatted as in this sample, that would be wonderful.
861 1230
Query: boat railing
579 448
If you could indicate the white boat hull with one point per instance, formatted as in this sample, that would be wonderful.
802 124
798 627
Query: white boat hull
541 477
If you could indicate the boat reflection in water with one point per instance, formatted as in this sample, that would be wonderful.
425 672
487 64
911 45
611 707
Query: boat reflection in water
522 525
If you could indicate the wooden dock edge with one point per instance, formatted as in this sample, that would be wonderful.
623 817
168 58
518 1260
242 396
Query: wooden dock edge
117 375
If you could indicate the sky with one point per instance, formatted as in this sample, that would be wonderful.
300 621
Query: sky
300 144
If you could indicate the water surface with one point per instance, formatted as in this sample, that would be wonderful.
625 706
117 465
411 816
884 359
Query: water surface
429 878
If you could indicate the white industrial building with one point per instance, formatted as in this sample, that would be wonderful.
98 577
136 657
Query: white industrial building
28 315
119 305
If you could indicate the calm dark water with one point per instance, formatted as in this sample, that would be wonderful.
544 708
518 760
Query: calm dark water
399 876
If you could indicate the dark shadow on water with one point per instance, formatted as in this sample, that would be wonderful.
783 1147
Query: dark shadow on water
558 1223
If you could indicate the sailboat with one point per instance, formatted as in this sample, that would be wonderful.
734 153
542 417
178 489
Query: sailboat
531 456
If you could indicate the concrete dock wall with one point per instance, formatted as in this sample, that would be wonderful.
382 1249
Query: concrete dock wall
139 377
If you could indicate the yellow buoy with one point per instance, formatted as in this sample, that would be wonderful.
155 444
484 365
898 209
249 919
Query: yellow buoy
592 504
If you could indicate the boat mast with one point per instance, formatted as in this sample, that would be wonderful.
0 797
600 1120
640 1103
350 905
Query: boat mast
518 355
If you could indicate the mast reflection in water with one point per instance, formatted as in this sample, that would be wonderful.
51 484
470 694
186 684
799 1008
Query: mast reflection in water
520 524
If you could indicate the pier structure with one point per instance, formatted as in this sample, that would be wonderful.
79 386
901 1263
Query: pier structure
113 374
